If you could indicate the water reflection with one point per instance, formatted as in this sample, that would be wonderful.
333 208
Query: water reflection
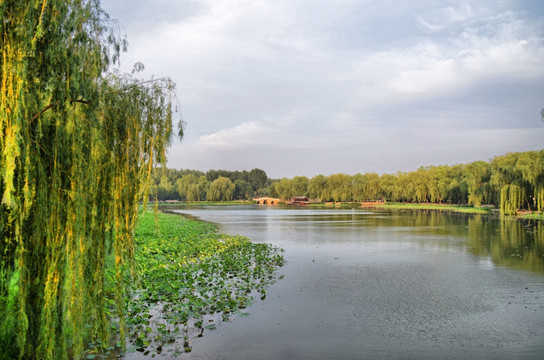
508 242
505 241
387 285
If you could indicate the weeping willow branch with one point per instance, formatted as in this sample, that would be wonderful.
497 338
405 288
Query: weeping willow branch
511 199
35 117
140 83
76 146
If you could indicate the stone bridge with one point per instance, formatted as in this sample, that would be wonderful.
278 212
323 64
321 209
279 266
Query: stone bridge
267 201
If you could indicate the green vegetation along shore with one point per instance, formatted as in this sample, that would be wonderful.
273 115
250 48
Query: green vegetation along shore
189 277
531 216
434 207
437 207
173 204
488 209
413 206
512 182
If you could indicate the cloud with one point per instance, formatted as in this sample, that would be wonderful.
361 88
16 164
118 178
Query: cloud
430 25
496 48
241 136
238 46
429 77
461 13
278 133
319 82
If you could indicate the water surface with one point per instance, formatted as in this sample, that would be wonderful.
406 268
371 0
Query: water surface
362 284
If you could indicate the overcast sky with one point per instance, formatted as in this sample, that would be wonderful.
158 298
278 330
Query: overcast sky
299 87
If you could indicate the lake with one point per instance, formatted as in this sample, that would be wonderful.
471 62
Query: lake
367 284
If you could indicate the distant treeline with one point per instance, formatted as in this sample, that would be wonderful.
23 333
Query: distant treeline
212 185
511 182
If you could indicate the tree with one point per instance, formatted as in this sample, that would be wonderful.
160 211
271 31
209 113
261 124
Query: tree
458 189
511 199
270 190
421 183
316 187
77 146
387 186
371 187
478 175
211 175
221 189
509 182
531 166
183 185
402 190
444 181
190 188
358 184
339 187
283 188
202 187
165 188
242 190
432 184
258 179
299 186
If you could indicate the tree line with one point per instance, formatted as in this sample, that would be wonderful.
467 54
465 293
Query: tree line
512 181
212 185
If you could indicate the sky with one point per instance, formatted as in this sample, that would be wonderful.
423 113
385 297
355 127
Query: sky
296 87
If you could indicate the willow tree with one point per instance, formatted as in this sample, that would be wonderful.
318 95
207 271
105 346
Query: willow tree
283 188
316 186
531 166
477 178
77 145
339 187
221 189
512 197
525 171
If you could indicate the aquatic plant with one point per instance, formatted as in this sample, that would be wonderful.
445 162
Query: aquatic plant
188 278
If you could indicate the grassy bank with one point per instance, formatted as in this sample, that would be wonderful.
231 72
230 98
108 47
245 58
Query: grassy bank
407 206
338 205
387 206
437 207
206 203
532 216
189 278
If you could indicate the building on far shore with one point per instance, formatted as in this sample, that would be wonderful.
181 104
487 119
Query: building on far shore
299 200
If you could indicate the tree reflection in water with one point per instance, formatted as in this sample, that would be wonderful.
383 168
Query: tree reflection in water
508 242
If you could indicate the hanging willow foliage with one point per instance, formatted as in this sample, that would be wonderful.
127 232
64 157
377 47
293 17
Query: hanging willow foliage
77 146
511 199
539 197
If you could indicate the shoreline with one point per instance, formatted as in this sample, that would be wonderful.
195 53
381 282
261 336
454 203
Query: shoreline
438 207
395 206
